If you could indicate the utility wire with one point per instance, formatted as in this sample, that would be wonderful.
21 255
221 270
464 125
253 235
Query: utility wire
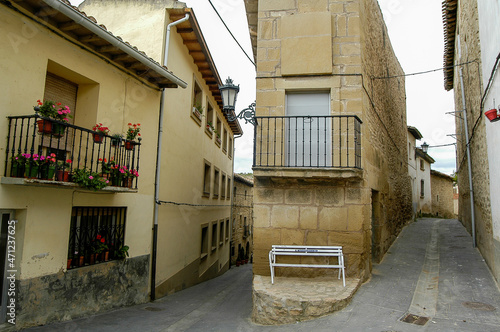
425 72
199 205
210 1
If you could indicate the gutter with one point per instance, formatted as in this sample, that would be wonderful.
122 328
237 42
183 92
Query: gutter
88 24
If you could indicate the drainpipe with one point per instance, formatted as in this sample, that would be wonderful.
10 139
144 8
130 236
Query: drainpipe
158 167
471 191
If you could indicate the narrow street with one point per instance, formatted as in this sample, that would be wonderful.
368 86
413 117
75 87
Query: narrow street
430 271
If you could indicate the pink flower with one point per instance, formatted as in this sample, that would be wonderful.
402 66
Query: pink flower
91 177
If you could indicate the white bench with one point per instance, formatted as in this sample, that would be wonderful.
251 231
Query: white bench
286 250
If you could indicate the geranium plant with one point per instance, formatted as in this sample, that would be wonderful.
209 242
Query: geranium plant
106 165
89 180
100 129
133 131
99 245
62 165
51 109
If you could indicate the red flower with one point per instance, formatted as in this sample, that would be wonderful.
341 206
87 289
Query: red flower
98 236
102 240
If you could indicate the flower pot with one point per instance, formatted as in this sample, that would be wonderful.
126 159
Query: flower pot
81 261
116 181
116 142
69 263
62 175
105 256
44 126
491 114
47 172
129 145
98 137
92 259
17 170
127 182
58 129
31 172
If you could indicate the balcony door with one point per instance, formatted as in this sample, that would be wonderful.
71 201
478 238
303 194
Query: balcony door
308 130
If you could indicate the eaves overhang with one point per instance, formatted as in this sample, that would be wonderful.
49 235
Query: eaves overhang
193 39
415 132
449 13
424 156
70 23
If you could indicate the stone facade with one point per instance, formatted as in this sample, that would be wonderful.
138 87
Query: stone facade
470 40
341 47
442 195
242 227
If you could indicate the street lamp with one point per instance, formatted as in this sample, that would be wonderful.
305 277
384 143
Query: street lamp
425 147
229 92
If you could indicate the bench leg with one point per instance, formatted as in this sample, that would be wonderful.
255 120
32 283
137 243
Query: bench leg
271 267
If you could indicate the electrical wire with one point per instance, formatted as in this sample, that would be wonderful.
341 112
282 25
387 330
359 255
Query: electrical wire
199 205
227 28
424 72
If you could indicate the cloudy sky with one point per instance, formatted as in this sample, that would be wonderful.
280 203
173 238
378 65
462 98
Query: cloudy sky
416 32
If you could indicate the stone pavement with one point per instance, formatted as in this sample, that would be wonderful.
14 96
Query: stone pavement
431 269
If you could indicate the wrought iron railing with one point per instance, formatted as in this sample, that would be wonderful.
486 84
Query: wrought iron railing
81 148
308 141
97 234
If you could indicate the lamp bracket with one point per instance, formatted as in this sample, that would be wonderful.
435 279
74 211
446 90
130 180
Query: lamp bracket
248 114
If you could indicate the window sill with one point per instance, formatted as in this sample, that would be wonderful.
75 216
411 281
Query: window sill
196 116
214 248
209 131
203 256
62 185
216 196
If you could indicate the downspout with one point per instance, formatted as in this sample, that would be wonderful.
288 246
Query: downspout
158 166
464 112
232 201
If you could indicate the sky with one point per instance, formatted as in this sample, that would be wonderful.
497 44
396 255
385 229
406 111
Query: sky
416 32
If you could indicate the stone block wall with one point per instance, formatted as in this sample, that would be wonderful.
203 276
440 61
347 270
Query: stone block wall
321 211
242 208
442 195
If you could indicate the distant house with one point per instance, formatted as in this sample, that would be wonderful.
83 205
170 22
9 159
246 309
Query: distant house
442 195
242 228
471 51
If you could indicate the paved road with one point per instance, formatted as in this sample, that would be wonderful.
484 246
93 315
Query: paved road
431 269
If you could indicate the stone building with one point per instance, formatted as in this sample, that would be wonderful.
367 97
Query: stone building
242 231
194 187
331 136
442 195
471 59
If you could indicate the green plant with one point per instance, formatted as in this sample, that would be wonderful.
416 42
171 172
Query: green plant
62 165
100 129
106 166
133 131
99 245
90 180
122 252
19 159
198 107
51 109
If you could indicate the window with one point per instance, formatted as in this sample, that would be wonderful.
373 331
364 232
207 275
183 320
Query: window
223 186
422 187
218 132
209 125
230 146
93 232
214 236
216 183
227 229
224 140
221 233
197 106
234 192
204 241
315 132
206 179
228 193
409 151
422 165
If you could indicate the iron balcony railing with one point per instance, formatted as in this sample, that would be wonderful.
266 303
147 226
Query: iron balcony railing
308 141
84 148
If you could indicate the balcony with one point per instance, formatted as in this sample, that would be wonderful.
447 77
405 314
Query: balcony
74 149
328 142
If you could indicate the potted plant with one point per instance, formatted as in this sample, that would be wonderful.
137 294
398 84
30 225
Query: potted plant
217 137
32 165
99 132
99 248
122 252
61 170
48 167
89 180
492 114
116 140
18 164
133 132
129 177
197 109
210 127
51 109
